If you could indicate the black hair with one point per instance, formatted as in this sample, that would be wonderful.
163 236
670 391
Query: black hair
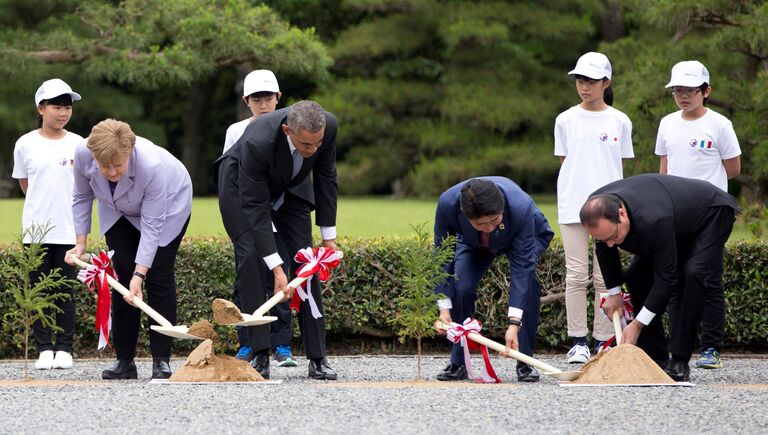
61 100
480 198
600 206
263 94
703 87
607 93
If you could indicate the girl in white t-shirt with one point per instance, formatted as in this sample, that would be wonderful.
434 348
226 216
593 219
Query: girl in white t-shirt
42 162
591 140
697 142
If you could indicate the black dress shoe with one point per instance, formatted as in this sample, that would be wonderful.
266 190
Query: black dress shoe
321 370
161 369
122 369
261 363
678 370
526 373
452 372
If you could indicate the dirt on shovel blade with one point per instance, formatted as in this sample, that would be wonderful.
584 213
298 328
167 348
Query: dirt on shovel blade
225 312
624 364
203 328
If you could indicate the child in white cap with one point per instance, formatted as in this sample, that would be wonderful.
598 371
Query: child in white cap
42 162
697 142
261 94
591 140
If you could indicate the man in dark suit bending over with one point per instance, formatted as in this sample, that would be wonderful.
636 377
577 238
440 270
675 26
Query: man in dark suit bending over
266 204
490 217
676 228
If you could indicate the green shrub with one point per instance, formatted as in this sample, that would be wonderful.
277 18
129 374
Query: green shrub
360 295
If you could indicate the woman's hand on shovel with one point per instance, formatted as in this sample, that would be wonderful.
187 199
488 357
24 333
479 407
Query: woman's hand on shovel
135 290
511 340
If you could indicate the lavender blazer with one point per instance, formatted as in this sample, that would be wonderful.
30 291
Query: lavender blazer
155 195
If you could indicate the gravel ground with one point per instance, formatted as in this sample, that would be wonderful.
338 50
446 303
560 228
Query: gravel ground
375 394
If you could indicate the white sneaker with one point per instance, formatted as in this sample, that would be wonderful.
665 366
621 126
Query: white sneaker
45 362
579 353
63 360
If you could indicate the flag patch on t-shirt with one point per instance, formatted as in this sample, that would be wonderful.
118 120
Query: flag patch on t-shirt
701 144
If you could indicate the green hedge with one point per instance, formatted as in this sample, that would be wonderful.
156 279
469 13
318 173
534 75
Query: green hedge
359 296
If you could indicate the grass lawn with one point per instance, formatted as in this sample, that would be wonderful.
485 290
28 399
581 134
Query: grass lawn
364 217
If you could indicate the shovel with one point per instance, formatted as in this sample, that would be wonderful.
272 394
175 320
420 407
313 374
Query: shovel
258 317
164 326
544 367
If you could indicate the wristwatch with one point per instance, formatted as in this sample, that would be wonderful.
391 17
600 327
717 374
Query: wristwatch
515 322
140 275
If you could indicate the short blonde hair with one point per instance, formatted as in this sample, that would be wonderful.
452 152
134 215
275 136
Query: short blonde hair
109 139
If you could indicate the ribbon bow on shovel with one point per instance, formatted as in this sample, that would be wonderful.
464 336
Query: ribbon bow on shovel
458 334
619 321
95 275
314 260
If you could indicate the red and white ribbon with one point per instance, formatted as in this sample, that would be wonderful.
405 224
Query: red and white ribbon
95 275
314 260
458 334
625 318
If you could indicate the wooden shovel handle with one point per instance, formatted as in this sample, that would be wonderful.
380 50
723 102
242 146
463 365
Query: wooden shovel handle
162 321
278 297
617 327
477 338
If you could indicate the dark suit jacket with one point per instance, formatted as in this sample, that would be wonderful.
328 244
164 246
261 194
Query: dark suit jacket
257 170
523 235
665 214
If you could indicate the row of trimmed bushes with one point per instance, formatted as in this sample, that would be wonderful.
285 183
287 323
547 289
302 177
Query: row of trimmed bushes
359 297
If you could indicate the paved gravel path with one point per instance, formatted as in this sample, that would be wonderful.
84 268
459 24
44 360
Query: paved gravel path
375 394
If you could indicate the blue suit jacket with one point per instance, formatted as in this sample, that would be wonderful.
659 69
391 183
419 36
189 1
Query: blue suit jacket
523 235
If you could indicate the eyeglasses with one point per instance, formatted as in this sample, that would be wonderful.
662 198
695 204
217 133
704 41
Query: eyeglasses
687 93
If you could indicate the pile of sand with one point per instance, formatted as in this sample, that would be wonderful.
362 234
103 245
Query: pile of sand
203 365
203 328
225 312
624 364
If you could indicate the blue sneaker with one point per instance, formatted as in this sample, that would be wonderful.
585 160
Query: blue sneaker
709 359
284 356
244 353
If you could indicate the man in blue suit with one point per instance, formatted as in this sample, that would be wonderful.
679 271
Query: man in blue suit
492 216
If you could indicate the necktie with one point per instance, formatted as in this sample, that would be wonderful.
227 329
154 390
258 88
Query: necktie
484 239
298 161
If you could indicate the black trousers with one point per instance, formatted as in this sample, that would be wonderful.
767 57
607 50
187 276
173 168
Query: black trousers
700 282
294 231
54 259
159 289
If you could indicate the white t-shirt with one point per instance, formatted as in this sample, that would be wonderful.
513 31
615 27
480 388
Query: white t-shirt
696 149
234 132
594 144
47 165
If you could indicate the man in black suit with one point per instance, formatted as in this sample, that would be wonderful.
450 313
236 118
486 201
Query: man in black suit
266 202
676 228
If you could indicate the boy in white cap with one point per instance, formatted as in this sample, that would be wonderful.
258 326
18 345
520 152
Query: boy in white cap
591 138
261 93
43 162
697 142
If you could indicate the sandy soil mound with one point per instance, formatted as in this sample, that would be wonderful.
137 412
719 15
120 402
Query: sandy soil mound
625 364
225 312
203 365
203 328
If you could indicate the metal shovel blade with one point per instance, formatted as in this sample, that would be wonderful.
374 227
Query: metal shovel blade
249 320
564 376
178 331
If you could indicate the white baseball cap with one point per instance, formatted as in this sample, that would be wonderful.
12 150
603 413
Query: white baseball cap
260 80
593 65
53 88
688 73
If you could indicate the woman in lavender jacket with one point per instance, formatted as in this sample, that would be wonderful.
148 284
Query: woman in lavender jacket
145 200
